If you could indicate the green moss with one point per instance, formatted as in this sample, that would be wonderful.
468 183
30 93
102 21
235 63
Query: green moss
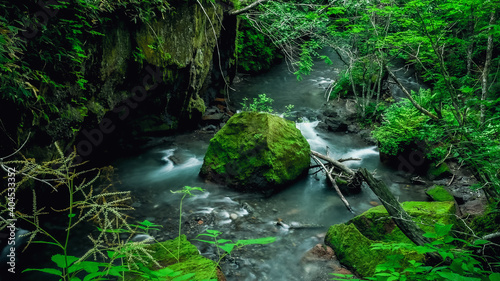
278 155
376 223
438 193
190 260
196 108
439 172
354 249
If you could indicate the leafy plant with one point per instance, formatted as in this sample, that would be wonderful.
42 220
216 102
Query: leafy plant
185 191
229 246
261 104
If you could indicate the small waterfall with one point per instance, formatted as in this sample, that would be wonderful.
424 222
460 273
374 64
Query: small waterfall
308 131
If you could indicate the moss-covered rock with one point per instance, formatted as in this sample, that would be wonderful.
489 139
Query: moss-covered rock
256 152
353 249
352 241
440 172
190 260
438 193
376 223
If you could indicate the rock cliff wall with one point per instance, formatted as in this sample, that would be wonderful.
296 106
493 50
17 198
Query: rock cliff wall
142 78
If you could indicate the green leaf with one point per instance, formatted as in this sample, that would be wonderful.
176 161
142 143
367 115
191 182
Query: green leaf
227 247
222 241
184 277
91 276
60 260
442 230
456 277
430 235
71 215
481 242
264 240
494 277
52 271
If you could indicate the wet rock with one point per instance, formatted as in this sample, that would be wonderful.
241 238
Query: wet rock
209 128
233 216
343 271
256 152
463 193
475 207
320 252
247 207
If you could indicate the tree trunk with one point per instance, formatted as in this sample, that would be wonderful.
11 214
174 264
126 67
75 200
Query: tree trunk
418 106
486 70
398 214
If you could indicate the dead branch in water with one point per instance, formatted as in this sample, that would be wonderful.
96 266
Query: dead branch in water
333 183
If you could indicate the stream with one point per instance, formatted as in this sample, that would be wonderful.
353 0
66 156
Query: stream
174 161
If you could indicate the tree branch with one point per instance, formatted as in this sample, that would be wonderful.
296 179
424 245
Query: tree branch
242 10
418 106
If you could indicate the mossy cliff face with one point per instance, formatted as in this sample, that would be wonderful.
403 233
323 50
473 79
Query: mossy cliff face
190 260
352 241
256 152
142 78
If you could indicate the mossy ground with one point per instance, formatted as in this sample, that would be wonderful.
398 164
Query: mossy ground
256 150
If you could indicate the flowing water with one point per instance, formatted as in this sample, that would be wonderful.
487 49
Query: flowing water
306 208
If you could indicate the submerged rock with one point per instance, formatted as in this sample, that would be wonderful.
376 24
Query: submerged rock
256 152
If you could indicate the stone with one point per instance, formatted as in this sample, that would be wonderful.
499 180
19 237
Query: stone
256 152
438 193
352 241
190 260
354 250
440 172
319 252
233 216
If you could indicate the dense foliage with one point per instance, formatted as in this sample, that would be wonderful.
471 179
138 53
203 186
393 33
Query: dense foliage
256 52
452 45
44 49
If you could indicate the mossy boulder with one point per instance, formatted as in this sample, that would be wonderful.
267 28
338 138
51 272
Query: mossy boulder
352 240
376 223
256 152
354 250
190 260
438 193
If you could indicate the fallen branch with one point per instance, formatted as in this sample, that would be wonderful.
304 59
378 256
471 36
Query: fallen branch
349 159
398 214
333 183
334 162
